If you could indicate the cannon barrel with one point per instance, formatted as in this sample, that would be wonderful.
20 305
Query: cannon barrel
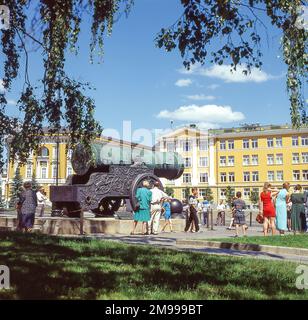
100 155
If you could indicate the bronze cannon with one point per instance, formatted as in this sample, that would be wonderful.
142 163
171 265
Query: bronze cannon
105 175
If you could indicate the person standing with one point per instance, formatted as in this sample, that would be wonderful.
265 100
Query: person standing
142 214
267 209
193 217
239 214
281 208
298 217
205 210
156 207
27 202
220 213
41 201
167 211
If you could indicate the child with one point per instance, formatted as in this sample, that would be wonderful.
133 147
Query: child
167 210
239 214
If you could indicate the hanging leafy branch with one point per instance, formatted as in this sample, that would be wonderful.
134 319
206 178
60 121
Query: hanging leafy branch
234 25
54 27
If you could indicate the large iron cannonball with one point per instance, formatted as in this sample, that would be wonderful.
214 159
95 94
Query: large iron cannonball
176 206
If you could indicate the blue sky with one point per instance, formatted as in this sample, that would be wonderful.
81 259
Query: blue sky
144 84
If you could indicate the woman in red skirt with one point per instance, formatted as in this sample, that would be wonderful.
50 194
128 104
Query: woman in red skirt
267 209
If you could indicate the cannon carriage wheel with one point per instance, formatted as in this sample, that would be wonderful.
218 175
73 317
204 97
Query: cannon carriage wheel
138 183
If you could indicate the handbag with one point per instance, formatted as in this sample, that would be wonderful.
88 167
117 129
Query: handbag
260 218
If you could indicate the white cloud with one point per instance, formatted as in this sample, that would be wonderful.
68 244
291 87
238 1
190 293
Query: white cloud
200 97
213 114
224 73
183 83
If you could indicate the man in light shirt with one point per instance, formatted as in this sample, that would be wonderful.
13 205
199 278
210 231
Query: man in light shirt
41 201
156 207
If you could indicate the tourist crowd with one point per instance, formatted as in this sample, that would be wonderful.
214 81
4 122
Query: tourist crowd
279 210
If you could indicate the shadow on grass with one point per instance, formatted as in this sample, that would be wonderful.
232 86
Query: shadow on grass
44 267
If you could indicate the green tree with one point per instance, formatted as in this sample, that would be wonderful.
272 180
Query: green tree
15 188
54 28
34 182
230 193
254 196
208 194
169 191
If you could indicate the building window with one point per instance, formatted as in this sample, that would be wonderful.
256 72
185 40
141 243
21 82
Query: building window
203 161
246 160
304 141
223 177
170 147
296 175
186 178
246 143
231 177
29 171
270 176
54 170
254 143
222 145
254 159
279 158
54 152
69 171
186 146
279 175
222 193
204 177
305 175
270 142
231 161
255 176
43 166
246 176
305 157
203 145
246 193
44 173
295 158
222 161
294 141
270 159
187 162
202 193
43 152
230 144
279 142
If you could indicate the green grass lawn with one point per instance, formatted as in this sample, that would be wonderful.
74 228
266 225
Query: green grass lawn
295 241
44 267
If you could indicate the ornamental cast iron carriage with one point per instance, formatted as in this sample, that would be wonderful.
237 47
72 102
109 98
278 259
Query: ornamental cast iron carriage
106 175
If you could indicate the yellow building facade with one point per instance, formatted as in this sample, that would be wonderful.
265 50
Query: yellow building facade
242 158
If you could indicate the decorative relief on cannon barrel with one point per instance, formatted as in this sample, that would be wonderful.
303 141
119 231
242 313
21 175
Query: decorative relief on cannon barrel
117 182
